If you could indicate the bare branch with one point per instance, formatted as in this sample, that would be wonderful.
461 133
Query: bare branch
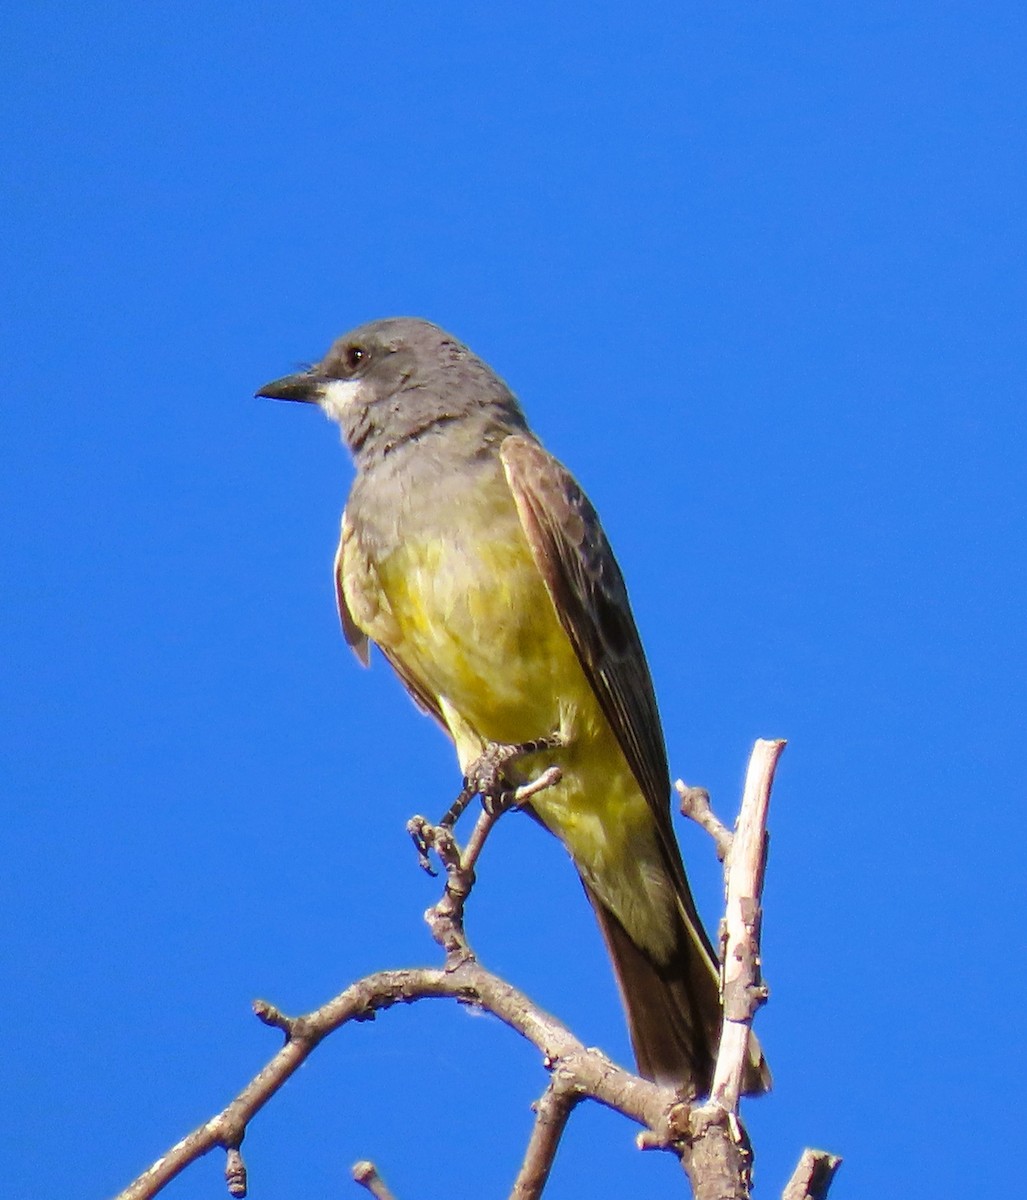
470 983
710 1141
462 979
695 805
719 1156
813 1176
744 990
366 1174
719 1159
548 777
552 1112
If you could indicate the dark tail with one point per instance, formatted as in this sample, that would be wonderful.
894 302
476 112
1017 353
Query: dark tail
673 1010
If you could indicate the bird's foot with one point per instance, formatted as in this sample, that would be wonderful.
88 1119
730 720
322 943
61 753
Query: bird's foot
486 777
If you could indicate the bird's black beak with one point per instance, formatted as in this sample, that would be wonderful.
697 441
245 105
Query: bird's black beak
304 386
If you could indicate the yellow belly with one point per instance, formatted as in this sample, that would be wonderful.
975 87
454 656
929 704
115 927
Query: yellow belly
471 618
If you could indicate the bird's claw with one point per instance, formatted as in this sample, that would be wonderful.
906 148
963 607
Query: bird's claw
486 777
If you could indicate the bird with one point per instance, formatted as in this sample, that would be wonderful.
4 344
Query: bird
474 562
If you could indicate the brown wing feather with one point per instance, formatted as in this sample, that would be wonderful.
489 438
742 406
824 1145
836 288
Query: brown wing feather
673 1010
424 700
576 560
587 588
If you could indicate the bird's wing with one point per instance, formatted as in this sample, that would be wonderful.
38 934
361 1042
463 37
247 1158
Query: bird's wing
424 700
355 637
575 559
588 592
345 560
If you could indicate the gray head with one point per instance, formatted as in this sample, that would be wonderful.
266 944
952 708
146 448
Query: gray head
392 381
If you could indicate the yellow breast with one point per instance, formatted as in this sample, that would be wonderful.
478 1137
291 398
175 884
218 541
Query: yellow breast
470 618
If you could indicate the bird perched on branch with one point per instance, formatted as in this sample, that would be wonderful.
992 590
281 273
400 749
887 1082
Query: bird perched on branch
479 568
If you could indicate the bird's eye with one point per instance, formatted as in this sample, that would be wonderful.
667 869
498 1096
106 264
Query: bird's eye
355 357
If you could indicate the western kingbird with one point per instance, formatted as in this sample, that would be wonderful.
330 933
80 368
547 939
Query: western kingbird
477 565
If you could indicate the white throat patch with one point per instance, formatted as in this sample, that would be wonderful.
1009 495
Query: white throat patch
340 395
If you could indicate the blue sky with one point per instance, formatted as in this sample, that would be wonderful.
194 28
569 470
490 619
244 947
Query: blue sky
757 274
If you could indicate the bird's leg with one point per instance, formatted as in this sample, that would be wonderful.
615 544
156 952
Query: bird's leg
459 806
486 776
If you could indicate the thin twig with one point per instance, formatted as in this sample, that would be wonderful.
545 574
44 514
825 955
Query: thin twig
812 1176
552 1112
695 805
366 1174
446 918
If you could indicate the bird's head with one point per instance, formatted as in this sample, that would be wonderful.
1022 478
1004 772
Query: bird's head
392 380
